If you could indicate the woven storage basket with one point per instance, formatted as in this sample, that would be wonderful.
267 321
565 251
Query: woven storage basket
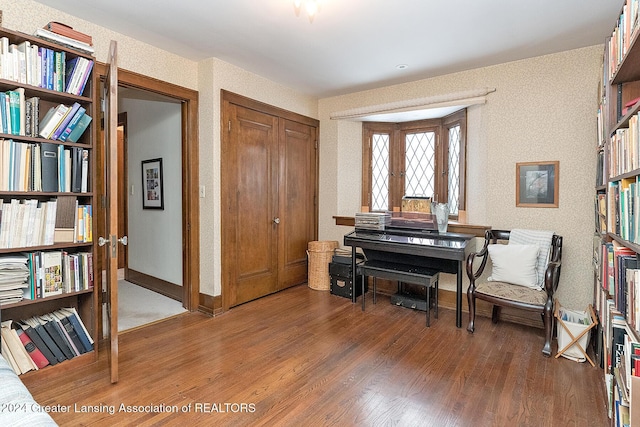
320 253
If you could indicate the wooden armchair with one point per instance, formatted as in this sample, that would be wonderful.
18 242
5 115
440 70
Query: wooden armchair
500 293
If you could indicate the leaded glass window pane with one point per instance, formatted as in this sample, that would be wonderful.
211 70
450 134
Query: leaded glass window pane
380 172
419 164
454 169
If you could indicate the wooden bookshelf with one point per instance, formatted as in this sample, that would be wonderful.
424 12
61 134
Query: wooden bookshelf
85 296
617 243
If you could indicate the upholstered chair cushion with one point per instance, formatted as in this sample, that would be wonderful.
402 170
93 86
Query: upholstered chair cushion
513 293
514 264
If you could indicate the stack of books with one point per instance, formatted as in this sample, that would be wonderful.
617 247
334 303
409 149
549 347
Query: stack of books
70 38
373 220
45 340
14 276
67 31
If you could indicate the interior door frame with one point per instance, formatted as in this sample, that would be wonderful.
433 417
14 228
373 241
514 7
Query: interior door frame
190 178
227 98
123 200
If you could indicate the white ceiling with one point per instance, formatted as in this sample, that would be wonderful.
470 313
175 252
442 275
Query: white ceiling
354 45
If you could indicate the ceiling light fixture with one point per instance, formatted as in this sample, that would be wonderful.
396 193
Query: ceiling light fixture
402 66
311 6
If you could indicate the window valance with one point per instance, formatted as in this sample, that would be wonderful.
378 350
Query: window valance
457 99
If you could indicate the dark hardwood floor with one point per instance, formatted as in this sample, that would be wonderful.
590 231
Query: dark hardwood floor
307 358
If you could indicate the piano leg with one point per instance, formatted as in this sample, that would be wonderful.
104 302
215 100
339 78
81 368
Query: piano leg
362 282
374 289
353 274
459 295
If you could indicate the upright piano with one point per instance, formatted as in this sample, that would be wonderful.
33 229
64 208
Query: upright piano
444 252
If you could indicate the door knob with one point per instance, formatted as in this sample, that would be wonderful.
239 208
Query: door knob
112 241
276 220
102 241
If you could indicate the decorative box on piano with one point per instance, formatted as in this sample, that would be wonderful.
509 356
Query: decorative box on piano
418 221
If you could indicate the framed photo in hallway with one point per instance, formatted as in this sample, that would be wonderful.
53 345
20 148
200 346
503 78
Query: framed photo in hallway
152 191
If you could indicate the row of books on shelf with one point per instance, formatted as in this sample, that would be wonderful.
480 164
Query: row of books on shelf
30 222
15 116
47 167
42 274
623 208
20 116
623 34
622 368
620 277
624 149
64 123
45 340
30 64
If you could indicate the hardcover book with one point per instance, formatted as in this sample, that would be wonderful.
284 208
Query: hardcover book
79 327
82 125
67 31
49 164
72 124
32 349
71 332
54 331
65 218
52 265
38 326
62 126
39 342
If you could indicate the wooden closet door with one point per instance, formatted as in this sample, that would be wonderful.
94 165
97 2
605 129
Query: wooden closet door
297 183
251 226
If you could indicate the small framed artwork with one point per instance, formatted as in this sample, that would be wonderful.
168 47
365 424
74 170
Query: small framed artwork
537 184
153 193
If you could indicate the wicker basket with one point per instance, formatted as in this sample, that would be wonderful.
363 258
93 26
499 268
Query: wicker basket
319 254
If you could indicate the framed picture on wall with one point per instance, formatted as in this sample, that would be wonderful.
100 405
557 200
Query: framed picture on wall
153 192
537 184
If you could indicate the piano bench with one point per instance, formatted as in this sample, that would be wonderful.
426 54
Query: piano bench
406 273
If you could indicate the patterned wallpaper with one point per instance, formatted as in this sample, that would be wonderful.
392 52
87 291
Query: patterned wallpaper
543 109
27 16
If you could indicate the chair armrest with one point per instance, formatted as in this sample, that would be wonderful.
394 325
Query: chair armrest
552 277
483 253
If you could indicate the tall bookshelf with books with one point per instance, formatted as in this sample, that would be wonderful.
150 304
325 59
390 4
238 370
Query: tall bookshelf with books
48 301
617 219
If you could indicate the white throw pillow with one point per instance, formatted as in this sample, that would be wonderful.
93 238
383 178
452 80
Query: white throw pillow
514 264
